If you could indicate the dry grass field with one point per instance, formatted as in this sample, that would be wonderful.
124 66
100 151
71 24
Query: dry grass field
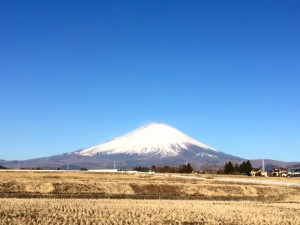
97 185
90 198
124 211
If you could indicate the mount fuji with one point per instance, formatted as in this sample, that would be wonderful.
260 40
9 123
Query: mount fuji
154 139
152 144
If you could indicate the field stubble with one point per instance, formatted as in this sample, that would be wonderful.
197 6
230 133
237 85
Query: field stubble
112 211
91 185
276 205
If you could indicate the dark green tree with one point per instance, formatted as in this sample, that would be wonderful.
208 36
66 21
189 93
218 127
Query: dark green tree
236 168
228 169
141 169
243 167
185 168
189 168
248 167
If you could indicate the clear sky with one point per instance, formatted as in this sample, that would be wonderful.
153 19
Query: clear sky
77 73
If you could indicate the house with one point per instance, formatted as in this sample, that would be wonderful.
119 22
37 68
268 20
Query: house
279 172
258 172
294 173
254 172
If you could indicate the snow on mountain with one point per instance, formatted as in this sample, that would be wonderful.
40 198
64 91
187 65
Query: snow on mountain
154 144
155 139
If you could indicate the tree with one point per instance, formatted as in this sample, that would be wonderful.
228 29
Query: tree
186 168
243 168
228 169
141 169
189 168
248 167
236 168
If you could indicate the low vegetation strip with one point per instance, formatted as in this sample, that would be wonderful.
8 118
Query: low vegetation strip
124 211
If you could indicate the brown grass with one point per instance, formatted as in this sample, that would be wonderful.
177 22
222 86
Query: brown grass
95 185
276 205
108 211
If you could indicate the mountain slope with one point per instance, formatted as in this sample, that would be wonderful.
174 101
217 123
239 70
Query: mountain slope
154 139
154 144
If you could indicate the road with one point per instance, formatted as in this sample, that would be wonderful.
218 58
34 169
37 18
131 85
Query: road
254 181
235 180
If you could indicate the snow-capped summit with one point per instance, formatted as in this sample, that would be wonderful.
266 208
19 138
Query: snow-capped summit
154 139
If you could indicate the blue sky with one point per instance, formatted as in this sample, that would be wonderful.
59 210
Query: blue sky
77 73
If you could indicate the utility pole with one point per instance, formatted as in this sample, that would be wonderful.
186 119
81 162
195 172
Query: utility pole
263 165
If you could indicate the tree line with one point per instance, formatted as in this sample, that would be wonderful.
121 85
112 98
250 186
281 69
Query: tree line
187 168
243 168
